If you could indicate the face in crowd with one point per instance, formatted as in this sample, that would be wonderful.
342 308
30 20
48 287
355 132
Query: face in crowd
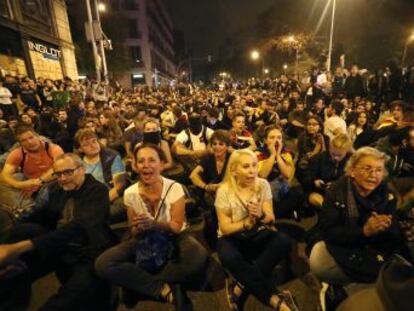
152 133
148 165
397 113
312 126
90 146
337 154
69 174
368 173
274 138
30 141
245 172
219 148
362 119
239 123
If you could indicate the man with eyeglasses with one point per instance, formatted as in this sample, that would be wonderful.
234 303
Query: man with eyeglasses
65 234
26 169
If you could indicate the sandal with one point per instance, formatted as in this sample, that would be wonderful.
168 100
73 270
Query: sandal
234 302
287 298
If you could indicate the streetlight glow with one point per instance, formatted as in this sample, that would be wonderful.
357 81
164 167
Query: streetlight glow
291 39
255 55
266 71
285 66
101 7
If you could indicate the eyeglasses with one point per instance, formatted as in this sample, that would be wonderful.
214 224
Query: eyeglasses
89 143
368 170
67 173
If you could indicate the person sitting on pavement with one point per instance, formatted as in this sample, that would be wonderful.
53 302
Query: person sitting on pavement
325 168
64 235
106 166
358 223
310 143
277 166
248 246
33 159
192 144
241 138
208 175
334 124
155 205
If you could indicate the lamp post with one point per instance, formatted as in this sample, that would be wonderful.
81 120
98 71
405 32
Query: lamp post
101 7
407 42
92 34
329 60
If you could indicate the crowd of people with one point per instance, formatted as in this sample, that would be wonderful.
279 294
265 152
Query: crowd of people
79 157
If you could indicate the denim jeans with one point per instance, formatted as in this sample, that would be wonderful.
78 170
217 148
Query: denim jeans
117 265
251 261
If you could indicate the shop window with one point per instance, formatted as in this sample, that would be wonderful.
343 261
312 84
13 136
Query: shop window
138 78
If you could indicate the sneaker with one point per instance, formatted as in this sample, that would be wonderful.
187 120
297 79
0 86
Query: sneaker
331 296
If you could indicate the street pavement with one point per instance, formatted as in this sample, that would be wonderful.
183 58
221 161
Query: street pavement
303 287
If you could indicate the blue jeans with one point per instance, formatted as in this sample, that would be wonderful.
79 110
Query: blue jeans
117 265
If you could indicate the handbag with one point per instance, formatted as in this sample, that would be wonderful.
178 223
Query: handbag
258 229
155 248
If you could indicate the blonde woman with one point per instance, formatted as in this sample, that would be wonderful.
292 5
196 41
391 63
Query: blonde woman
248 245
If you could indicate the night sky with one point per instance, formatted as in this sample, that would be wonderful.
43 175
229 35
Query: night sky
361 25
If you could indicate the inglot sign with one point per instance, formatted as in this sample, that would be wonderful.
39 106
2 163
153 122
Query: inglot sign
46 51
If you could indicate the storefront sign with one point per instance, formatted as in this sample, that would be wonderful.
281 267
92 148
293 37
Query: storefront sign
46 51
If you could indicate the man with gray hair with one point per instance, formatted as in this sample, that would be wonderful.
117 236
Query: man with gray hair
65 234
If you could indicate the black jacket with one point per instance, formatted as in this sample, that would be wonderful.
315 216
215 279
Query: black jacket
335 222
360 257
322 167
88 231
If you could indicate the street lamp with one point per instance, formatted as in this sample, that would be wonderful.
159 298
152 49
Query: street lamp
101 7
255 55
266 71
407 42
285 66
329 60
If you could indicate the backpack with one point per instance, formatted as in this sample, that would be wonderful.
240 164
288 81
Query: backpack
189 143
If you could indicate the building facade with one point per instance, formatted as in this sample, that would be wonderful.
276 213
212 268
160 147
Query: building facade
36 39
149 42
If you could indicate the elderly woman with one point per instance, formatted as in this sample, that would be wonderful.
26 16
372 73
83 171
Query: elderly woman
155 204
358 223
248 246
